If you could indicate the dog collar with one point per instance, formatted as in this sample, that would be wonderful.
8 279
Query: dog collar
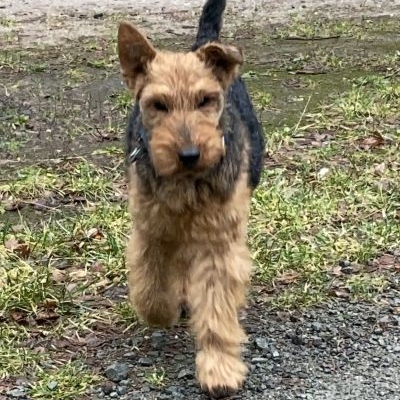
140 149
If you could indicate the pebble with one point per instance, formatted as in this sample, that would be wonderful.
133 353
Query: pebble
145 362
135 341
297 340
275 352
186 373
158 340
256 360
16 393
130 355
344 263
52 385
117 372
122 390
316 326
261 343
107 387
174 391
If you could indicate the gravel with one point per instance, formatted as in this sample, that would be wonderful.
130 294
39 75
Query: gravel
337 350
117 371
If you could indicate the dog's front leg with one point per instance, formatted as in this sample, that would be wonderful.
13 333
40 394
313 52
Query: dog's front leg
217 286
153 285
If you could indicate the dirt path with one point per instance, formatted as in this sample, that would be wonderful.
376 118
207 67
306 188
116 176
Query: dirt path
55 21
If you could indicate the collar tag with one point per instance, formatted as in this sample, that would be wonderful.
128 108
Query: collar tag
134 155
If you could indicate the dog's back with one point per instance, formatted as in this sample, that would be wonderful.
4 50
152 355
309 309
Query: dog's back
209 30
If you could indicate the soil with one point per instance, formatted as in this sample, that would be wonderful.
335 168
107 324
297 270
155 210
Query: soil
40 20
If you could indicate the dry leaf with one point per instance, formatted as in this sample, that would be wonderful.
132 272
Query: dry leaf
50 304
13 206
78 274
18 247
376 140
94 233
98 267
386 259
337 271
71 287
379 169
39 350
18 316
11 244
288 277
17 228
100 284
46 317
58 275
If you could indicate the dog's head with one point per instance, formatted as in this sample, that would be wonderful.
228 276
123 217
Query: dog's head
181 98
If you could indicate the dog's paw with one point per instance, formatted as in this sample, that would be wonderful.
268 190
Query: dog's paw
220 374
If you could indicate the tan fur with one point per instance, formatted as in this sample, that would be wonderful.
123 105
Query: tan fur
200 259
188 245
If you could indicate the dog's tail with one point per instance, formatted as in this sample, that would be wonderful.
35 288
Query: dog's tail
210 22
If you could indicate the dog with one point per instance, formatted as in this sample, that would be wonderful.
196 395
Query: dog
194 157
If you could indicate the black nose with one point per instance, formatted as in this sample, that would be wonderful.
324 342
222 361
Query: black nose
189 156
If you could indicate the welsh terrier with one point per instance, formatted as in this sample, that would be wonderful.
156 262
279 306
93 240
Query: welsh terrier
195 153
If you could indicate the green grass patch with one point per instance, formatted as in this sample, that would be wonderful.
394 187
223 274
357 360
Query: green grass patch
66 382
15 358
331 201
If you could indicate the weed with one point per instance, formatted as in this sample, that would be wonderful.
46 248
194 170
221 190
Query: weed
66 381
156 377
15 358
123 101
7 22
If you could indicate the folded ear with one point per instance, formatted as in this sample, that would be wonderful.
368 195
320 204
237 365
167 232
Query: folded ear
223 59
135 53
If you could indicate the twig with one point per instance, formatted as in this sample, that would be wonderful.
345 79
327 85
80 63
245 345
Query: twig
43 160
302 114
312 38
309 72
35 204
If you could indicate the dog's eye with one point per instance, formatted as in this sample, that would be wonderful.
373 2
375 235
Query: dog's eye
160 106
204 102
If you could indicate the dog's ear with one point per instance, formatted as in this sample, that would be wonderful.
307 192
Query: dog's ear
224 60
135 53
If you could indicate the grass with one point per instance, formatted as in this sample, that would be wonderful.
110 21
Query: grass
14 358
308 223
7 22
329 193
318 28
156 377
66 381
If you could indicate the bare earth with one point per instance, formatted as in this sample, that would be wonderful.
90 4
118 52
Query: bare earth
53 21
